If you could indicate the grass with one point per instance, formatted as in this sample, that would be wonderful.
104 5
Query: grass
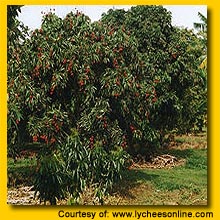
194 141
181 185
21 172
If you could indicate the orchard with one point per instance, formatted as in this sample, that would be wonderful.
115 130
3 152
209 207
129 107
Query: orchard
94 94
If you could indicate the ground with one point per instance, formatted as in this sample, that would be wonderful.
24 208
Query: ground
176 176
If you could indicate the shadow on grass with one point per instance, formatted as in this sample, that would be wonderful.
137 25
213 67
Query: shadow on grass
192 176
21 172
132 179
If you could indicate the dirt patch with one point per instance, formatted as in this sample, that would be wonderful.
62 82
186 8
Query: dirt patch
23 195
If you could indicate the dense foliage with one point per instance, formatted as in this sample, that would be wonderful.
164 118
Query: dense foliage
85 91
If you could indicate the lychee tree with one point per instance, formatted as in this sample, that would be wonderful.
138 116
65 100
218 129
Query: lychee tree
73 73
102 87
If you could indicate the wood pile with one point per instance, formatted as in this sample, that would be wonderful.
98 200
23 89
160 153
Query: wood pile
158 162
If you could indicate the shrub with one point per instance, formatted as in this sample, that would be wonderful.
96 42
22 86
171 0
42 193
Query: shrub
72 167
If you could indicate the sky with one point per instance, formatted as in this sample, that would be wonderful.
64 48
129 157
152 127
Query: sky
182 15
